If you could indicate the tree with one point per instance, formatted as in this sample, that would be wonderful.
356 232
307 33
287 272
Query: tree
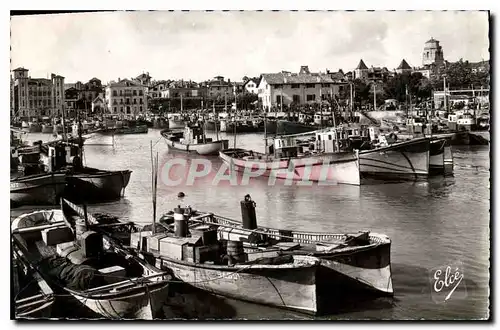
361 92
459 74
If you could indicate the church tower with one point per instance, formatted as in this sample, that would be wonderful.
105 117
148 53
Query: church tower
433 53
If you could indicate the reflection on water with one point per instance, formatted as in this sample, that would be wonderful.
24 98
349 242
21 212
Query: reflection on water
430 223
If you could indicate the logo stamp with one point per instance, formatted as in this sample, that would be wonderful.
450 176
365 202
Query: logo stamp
448 282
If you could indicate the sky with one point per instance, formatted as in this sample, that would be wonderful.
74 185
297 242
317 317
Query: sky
200 45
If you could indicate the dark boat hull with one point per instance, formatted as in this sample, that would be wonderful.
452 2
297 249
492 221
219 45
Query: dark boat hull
99 185
43 189
286 127
404 160
132 130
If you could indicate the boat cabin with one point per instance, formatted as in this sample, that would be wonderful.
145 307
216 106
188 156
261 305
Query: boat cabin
318 118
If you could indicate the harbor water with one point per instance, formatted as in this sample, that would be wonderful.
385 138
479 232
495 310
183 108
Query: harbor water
432 224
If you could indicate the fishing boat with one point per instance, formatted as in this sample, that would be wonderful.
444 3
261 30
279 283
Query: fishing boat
387 158
327 157
37 189
293 281
193 139
286 127
302 271
356 262
440 157
32 296
89 266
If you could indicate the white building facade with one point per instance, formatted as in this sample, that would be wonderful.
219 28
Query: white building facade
277 89
126 97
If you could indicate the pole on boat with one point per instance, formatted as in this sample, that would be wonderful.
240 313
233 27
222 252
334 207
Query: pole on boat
331 109
154 184
351 106
216 118
265 134
374 97
235 107
444 94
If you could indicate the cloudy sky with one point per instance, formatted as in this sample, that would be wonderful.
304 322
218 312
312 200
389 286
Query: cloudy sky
201 45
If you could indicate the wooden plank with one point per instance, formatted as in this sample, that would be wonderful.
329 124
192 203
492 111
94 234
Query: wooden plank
38 228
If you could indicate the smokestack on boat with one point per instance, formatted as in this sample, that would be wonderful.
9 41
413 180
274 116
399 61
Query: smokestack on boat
248 213
180 222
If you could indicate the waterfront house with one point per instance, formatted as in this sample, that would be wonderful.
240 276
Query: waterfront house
126 97
35 97
285 88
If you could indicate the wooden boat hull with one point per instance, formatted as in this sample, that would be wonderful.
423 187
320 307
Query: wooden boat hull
366 268
141 297
205 149
404 160
142 305
290 288
271 126
369 269
103 185
38 190
287 127
440 157
38 304
336 168
132 130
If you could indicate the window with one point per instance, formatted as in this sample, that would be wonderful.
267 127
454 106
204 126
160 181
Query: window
49 103
127 101
114 109
140 108
135 101
329 136
121 93
115 93
121 101
114 102
296 98
140 92
278 99
323 97
128 109
134 93
31 104
311 97
121 109
295 85
310 85
140 101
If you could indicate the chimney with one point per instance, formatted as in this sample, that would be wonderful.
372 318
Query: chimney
228 81
119 79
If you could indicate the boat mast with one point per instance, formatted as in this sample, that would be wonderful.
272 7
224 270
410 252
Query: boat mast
374 97
154 184
331 109
216 118
265 134
351 106
444 94
65 137
181 105
235 110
